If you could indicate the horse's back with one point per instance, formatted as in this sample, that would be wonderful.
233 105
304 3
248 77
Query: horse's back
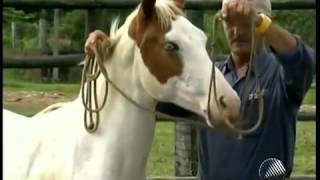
12 115
40 147
15 124
16 131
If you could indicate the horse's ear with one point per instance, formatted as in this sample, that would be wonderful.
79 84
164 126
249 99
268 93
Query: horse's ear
138 24
180 4
148 8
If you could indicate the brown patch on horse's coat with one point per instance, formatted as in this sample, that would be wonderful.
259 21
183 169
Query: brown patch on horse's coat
150 38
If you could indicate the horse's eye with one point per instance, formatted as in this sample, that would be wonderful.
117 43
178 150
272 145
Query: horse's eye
171 46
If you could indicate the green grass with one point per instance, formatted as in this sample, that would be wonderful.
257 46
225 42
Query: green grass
161 160
310 97
305 158
24 109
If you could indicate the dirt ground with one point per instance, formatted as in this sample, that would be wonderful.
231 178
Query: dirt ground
34 97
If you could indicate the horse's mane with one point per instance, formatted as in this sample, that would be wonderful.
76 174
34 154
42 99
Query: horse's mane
166 10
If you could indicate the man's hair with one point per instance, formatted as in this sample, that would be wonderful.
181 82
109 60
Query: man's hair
262 6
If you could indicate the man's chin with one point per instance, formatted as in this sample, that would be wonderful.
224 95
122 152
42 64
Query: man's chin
241 51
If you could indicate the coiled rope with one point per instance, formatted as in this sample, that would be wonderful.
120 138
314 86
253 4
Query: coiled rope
252 61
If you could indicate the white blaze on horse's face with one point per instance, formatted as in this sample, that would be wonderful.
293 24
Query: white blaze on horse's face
175 66
188 89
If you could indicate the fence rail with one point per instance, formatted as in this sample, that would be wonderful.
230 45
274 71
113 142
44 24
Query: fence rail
307 113
49 61
42 61
125 4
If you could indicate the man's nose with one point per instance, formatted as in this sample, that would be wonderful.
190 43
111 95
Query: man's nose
235 31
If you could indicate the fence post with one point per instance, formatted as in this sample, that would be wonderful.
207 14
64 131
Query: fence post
56 23
186 154
13 34
42 43
43 35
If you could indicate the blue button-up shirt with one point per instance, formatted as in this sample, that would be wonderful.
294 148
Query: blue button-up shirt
285 79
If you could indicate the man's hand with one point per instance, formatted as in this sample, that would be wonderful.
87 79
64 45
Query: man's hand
239 11
93 38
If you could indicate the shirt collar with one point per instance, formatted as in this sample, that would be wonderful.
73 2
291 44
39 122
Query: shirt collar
260 65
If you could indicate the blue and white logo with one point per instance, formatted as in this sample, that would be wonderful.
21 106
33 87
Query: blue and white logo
272 168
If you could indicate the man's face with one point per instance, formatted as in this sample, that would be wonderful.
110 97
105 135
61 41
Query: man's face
239 35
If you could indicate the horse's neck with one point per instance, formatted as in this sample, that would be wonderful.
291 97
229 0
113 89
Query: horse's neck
125 132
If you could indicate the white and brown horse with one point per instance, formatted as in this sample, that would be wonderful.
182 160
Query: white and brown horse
157 56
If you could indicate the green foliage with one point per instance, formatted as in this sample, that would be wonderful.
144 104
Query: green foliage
28 44
12 14
13 75
6 41
221 46
300 22
26 35
72 26
29 30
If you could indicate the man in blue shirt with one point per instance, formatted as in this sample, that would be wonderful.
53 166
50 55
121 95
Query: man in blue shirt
284 71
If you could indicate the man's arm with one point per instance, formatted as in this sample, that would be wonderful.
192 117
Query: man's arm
296 58
280 39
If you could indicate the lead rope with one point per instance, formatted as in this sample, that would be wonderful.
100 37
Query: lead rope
240 132
90 73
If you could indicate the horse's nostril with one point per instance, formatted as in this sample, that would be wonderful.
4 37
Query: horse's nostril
222 101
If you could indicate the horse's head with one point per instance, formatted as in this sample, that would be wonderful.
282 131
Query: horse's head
174 64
